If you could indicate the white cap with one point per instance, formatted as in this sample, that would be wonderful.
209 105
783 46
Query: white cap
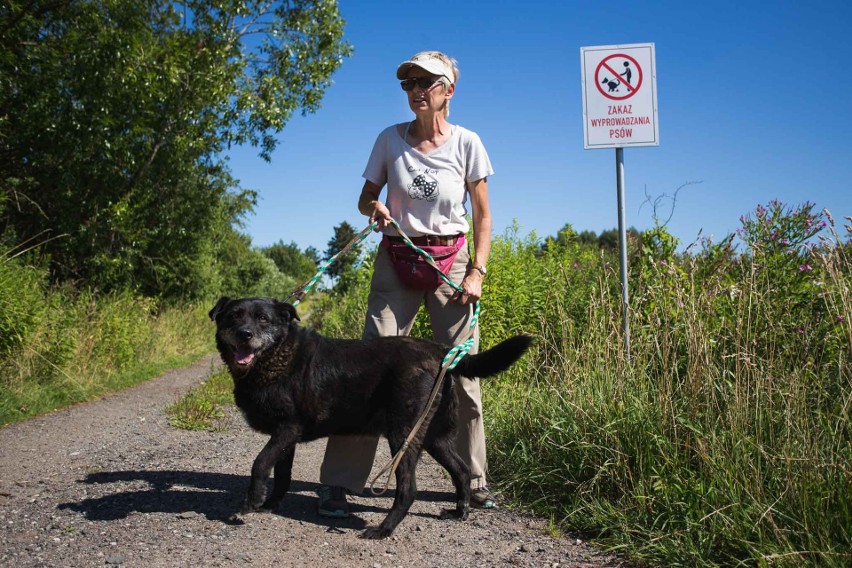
429 63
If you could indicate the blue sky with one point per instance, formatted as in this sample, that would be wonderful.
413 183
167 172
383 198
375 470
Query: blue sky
753 102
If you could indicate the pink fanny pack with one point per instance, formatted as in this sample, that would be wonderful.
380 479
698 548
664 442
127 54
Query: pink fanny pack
413 270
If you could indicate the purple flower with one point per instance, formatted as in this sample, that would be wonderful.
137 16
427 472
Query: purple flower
805 267
840 318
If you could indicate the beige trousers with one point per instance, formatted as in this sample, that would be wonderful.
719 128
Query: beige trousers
391 310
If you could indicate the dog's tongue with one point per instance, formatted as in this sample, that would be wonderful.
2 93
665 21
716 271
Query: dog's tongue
244 357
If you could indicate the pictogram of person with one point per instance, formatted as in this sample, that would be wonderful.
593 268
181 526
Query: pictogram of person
628 73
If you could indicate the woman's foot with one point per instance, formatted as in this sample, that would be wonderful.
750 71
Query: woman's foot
482 498
332 502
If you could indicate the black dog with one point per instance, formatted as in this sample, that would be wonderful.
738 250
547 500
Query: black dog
297 386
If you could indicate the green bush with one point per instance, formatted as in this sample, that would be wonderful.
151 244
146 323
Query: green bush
342 314
61 345
22 306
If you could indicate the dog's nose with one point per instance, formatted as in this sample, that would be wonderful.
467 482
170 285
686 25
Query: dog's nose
245 334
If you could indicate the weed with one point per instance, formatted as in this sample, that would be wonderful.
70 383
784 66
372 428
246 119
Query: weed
202 407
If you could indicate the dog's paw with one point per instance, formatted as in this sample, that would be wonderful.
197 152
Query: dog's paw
455 514
376 533
249 506
271 504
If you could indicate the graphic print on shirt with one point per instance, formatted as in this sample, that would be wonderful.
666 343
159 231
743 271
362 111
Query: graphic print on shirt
422 188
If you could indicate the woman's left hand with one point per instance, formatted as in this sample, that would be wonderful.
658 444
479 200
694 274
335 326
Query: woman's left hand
472 288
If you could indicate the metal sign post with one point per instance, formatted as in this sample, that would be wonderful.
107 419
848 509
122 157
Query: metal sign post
620 110
622 248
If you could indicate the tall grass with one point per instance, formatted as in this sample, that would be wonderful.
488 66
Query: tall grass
724 439
60 346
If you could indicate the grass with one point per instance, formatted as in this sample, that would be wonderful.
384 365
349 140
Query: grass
201 408
724 440
75 347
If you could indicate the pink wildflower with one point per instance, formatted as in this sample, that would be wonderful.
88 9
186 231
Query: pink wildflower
805 267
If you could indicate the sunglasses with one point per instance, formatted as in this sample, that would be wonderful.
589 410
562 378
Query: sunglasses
422 82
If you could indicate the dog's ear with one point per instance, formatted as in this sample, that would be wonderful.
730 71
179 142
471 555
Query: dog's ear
220 305
288 309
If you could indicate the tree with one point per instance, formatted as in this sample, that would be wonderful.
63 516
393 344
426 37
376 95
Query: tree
347 263
291 261
608 239
563 238
114 117
587 238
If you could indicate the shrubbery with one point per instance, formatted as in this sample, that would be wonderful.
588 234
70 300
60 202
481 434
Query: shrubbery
724 438
60 345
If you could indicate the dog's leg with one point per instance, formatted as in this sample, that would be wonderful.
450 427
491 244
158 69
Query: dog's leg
281 441
283 473
406 491
446 455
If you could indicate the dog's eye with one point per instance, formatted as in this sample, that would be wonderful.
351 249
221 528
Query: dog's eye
263 318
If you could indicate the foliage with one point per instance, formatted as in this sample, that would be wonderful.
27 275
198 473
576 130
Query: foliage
341 314
60 345
201 408
291 261
724 439
116 116
607 240
343 269
74 345
22 305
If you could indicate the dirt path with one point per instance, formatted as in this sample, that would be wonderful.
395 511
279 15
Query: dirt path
111 483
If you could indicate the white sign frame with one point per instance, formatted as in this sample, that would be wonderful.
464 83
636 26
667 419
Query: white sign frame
619 109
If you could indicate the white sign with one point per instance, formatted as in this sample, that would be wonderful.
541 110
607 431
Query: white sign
619 96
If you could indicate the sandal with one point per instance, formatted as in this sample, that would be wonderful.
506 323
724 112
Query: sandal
332 502
482 498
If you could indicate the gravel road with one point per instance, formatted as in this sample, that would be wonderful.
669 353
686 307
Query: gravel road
109 482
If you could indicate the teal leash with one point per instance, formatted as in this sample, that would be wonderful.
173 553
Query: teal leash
459 351
452 358
302 291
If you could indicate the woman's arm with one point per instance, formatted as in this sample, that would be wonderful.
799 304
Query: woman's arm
369 204
472 283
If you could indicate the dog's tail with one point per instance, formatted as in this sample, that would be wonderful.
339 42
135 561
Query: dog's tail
495 360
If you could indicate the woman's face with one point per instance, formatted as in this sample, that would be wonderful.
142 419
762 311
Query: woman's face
431 99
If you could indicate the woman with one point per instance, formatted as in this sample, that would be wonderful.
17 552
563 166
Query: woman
430 168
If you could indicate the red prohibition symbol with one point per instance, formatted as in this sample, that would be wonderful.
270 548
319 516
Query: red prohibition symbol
621 84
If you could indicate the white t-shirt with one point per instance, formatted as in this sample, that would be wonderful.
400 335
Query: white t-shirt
427 192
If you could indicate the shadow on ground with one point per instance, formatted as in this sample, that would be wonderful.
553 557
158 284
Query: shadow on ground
217 496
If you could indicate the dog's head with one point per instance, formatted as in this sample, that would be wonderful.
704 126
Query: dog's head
247 327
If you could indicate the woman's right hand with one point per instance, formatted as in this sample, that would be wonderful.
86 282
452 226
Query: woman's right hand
381 214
